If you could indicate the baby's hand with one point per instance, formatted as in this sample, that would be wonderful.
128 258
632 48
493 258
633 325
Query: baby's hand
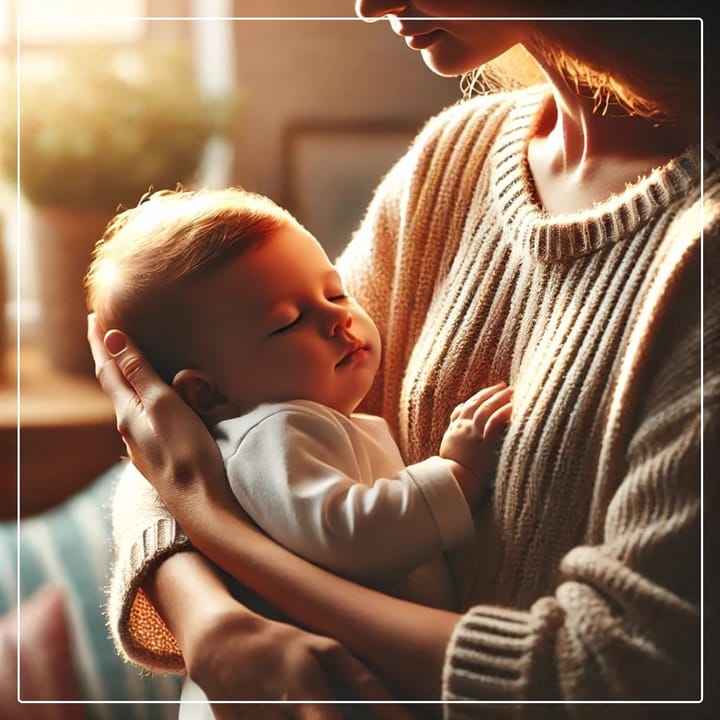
473 438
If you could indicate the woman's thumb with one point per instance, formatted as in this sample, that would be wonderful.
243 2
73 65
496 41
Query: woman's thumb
131 363
116 342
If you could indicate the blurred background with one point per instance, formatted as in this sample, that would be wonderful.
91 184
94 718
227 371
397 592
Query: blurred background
297 100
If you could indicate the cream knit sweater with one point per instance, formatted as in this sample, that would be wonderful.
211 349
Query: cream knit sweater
582 582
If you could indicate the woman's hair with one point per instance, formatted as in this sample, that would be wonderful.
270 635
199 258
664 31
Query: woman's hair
645 66
150 253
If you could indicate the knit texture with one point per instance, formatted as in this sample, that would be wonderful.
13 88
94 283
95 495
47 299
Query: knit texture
582 581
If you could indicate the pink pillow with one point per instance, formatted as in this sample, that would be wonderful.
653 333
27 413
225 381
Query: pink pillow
46 663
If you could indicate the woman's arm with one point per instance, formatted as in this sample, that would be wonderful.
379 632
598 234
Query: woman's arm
404 642
232 652
227 647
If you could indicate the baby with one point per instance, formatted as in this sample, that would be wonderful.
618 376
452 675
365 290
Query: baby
239 308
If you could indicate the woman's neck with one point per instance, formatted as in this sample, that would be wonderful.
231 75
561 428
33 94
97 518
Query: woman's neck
578 157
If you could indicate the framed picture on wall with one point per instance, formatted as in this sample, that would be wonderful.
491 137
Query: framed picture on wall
331 171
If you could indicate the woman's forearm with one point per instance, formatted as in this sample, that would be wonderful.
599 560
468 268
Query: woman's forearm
168 442
175 598
192 599
403 641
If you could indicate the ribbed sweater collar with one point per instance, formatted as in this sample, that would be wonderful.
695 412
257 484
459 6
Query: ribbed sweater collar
562 238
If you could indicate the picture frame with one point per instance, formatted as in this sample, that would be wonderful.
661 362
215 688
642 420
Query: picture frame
331 171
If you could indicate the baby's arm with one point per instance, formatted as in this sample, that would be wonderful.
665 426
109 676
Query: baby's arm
297 473
471 442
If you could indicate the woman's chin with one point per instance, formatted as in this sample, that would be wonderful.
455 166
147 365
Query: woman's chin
443 65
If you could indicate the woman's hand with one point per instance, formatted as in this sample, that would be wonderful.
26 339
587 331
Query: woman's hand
165 439
231 652
235 654
282 663
171 446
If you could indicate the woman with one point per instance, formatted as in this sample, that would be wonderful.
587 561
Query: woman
549 237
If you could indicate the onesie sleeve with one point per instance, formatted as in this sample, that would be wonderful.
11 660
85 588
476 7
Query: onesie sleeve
299 476
444 498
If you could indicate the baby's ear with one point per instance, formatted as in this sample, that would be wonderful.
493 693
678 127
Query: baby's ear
200 392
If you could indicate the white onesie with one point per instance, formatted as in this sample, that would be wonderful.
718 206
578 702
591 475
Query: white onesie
335 490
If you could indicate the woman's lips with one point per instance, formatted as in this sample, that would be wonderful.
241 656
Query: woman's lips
422 41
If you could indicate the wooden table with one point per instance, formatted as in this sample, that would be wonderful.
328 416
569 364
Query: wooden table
66 437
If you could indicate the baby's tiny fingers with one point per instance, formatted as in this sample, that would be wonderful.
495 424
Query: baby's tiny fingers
497 423
457 412
485 394
486 409
468 408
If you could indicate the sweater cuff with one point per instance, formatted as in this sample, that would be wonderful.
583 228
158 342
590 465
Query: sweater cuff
500 654
139 633
449 509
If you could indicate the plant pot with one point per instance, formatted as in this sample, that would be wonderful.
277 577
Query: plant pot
63 242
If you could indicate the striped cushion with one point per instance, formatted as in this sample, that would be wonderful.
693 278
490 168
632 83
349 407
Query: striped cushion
70 545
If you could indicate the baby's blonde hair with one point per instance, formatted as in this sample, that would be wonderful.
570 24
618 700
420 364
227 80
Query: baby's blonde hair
148 254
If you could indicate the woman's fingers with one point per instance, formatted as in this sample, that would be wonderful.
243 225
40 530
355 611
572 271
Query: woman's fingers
344 670
95 338
119 365
133 366
122 396
134 390
288 672
121 369
106 369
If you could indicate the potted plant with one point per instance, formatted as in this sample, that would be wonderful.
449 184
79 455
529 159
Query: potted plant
98 128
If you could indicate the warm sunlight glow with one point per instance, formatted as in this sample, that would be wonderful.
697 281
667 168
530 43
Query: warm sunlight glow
53 20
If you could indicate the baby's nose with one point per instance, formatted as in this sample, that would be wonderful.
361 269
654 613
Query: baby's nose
339 320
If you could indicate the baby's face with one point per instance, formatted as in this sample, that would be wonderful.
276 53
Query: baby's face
274 324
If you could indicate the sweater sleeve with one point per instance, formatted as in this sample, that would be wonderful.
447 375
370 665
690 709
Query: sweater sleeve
624 620
302 478
144 533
